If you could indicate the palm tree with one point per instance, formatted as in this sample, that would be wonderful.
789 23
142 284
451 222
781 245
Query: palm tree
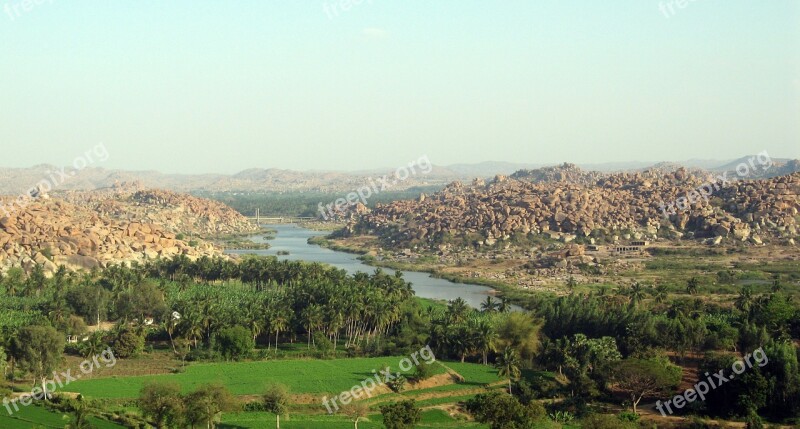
312 318
660 293
508 365
776 283
94 345
503 307
278 323
457 310
691 286
193 327
489 306
636 293
485 339
571 283
745 299
169 326
80 410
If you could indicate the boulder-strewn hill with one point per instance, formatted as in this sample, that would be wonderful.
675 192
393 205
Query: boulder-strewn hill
615 204
52 232
566 172
114 225
177 213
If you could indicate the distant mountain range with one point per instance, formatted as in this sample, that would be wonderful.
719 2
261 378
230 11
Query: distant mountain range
15 181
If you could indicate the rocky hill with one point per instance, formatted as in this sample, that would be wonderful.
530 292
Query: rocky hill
51 232
124 223
566 172
177 213
640 205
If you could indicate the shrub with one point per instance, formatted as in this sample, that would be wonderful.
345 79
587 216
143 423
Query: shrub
753 422
422 371
627 416
128 344
398 384
605 421
235 342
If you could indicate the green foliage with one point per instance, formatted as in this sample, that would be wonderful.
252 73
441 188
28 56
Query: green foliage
502 411
562 417
422 371
626 416
401 415
397 384
235 342
128 343
641 378
206 405
606 421
37 350
753 421
162 403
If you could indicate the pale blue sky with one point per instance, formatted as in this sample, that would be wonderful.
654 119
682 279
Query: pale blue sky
220 86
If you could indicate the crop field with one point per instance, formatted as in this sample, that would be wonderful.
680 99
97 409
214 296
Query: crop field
310 378
251 378
39 417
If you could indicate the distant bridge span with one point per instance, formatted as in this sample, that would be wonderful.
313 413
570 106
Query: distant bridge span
259 218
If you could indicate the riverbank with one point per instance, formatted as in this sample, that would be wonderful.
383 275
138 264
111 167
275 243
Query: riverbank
369 256
296 241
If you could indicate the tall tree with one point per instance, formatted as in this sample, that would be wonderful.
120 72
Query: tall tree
162 404
508 366
646 377
276 401
356 411
207 404
38 350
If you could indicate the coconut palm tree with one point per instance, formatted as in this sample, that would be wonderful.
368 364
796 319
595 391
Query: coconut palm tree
485 339
94 345
278 323
457 310
489 305
636 294
508 365
744 302
691 286
660 293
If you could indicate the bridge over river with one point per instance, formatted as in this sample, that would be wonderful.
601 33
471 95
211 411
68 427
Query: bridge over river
272 219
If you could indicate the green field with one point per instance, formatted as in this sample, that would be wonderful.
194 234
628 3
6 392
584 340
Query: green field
430 419
38 417
251 378
312 377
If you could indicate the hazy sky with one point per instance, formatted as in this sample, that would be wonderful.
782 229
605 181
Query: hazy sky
220 86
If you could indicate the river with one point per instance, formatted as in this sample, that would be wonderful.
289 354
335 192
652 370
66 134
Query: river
294 239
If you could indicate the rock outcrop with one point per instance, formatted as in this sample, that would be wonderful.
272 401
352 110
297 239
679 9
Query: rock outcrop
175 212
52 232
632 205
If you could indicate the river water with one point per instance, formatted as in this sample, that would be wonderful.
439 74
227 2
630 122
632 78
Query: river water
294 239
